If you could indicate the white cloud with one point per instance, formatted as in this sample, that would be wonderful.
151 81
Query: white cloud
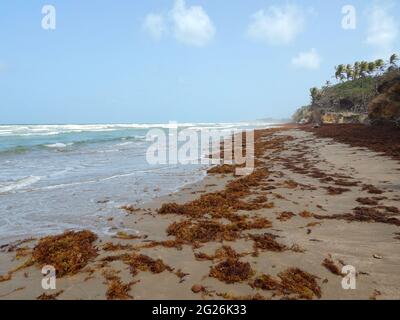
307 60
155 25
191 25
383 29
277 25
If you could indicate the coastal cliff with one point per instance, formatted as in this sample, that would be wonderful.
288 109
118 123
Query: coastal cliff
385 106
360 97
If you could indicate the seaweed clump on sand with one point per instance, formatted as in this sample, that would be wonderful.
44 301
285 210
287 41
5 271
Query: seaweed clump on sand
362 214
110 246
6 277
166 244
306 214
139 262
374 215
145 263
266 282
380 138
290 184
285 216
130 208
231 271
222 253
22 252
222 204
344 183
300 283
293 281
329 264
336 191
222 169
53 296
201 231
368 201
389 210
118 291
229 296
68 252
267 242
247 224
371 189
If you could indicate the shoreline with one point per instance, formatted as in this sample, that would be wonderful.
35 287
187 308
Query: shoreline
199 178
255 248
49 190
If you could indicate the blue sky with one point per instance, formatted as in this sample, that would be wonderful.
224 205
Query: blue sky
174 60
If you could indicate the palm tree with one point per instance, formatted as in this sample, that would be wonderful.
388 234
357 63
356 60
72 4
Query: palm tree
336 72
340 69
393 61
394 58
371 67
349 72
357 70
314 93
363 68
380 65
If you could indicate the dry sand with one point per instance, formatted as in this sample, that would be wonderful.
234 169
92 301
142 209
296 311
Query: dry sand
373 248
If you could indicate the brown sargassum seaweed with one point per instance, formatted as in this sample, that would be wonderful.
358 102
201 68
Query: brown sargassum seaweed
293 281
53 296
383 139
232 270
116 290
222 253
267 241
204 213
365 214
201 231
229 296
371 189
285 216
329 264
369 201
336 191
68 252
222 204
204 227
139 262
222 169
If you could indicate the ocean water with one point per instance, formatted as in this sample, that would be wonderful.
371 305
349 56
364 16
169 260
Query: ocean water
59 177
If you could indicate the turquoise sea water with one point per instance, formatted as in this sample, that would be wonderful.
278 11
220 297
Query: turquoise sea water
58 177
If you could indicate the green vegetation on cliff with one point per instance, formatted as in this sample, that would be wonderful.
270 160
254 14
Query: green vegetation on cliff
348 101
354 88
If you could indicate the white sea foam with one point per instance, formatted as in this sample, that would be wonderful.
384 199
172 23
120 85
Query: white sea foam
19 184
45 130
58 145
124 144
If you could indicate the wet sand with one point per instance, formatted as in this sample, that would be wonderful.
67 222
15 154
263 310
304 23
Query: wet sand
314 206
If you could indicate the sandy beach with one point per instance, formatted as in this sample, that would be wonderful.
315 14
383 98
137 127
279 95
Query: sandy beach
312 206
